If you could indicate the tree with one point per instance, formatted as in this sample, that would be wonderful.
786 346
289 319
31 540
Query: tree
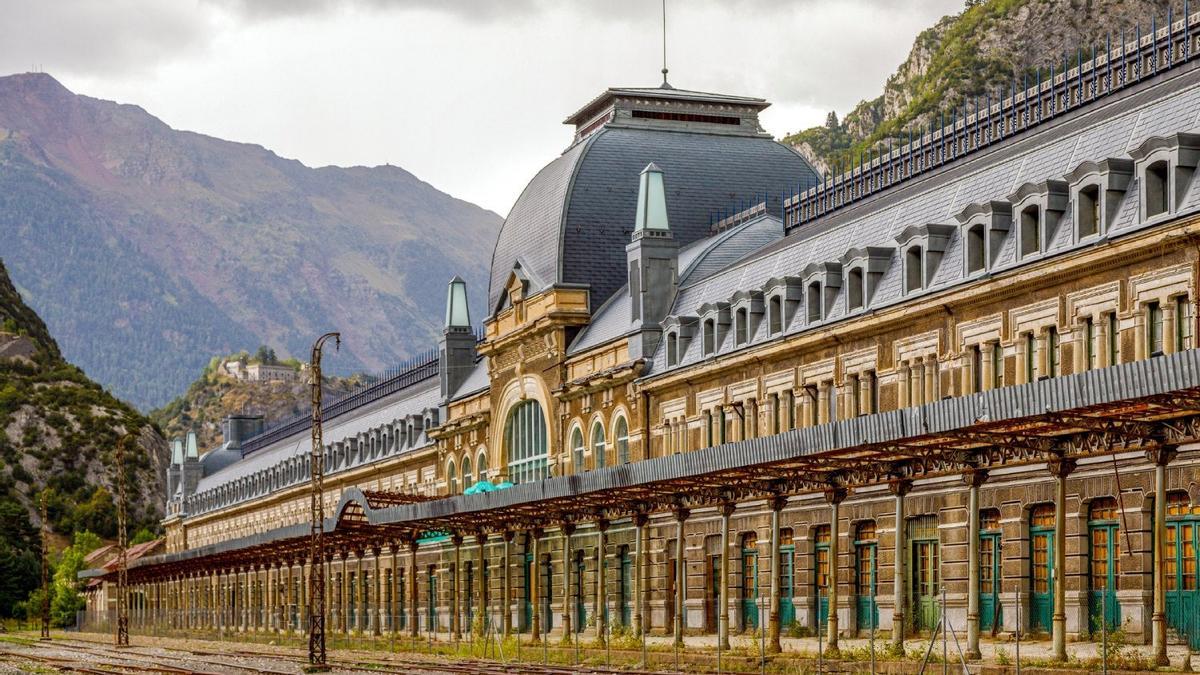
831 121
66 600
266 356
143 535
20 564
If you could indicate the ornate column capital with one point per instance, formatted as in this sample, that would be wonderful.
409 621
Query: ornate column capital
1162 455
836 495
1061 467
975 477
681 513
456 539
728 508
640 519
602 524
900 486
568 528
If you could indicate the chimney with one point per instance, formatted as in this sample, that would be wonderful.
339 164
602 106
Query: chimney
457 344
653 261
174 471
240 428
191 471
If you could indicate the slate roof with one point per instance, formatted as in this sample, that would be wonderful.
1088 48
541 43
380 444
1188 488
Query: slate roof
477 381
696 261
669 93
1110 129
573 220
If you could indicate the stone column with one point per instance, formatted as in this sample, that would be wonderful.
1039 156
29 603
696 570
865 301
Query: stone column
988 372
723 608
834 496
776 505
931 378
1060 469
1022 359
567 530
601 582
1043 354
806 404
823 390
394 605
639 590
681 515
899 488
288 598
456 587
506 588
414 621
866 389
904 386
1160 457
377 612
536 622
973 478
1168 326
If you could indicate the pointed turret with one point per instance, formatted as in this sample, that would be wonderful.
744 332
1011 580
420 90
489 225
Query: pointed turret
457 344
174 471
191 471
653 262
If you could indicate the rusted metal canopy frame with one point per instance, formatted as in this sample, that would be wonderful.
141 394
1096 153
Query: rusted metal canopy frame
1130 406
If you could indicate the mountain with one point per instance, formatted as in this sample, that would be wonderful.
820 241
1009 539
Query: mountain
58 432
217 393
148 249
962 58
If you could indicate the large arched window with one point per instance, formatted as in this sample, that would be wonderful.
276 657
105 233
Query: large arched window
466 472
451 479
577 450
525 441
621 437
599 447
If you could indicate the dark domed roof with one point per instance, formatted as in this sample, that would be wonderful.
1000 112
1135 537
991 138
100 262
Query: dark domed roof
573 220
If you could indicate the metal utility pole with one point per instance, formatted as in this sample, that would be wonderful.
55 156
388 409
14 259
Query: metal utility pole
316 547
45 572
122 638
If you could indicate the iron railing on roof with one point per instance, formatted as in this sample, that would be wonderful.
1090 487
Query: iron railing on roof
743 210
376 387
1024 107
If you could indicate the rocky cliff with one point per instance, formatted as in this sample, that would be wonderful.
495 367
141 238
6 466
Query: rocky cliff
987 47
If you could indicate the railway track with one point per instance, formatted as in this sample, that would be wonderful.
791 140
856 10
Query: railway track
95 658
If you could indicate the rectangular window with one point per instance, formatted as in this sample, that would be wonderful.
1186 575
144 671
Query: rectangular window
1114 340
775 400
976 369
1030 358
1154 329
1183 323
997 365
1089 343
1052 357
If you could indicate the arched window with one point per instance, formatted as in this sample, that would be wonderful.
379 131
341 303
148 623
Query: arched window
621 436
481 465
914 269
1031 230
451 479
525 442
577 450
976 249
599 447
466 472
1157 189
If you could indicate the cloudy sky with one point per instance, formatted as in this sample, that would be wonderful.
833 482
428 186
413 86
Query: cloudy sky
467 94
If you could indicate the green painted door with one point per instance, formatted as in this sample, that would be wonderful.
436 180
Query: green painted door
750 588
989 581
822 578
1183 598
431 599
925 583
1104 556
580 607
787 580
865 565
1042 597
625 590
527 594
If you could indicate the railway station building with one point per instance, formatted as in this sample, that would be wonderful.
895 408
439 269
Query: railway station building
716 393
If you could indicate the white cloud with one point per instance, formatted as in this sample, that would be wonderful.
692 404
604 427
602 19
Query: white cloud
467 95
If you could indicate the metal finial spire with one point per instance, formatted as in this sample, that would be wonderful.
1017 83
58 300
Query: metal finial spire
665 84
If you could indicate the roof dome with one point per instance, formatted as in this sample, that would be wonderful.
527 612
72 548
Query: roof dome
573 220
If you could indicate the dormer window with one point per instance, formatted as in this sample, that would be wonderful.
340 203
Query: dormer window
864 268
783 296
822 281
1157 190
923 247
813 302
914 269
854 289
1038 208
715 320
710 336
747 314
1097 189
1165 165
984 227
677 333
1087 211
672 339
